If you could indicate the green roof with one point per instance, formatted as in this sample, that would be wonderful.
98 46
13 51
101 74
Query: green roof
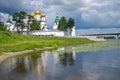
57 19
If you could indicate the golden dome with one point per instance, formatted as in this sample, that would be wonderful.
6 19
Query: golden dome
37 12
43 15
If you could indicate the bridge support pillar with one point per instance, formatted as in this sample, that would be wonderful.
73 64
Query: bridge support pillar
117 36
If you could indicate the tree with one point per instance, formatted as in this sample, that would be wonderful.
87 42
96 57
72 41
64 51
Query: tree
35 25
2 26
62 24
23 15
17 20
29 22
70 24
19 17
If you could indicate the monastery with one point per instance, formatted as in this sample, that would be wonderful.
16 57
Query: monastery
44 31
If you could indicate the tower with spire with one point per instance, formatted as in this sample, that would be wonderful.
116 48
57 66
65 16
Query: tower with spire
56 22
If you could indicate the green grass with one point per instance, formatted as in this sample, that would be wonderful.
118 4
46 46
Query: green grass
11 42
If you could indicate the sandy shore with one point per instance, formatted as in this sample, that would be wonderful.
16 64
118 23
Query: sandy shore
4 56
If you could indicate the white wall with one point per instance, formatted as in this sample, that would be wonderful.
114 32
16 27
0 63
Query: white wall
48 33
70 33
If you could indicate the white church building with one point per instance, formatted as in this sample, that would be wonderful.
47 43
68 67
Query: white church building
44 31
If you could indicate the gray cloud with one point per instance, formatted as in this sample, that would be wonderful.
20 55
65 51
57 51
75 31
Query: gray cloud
3 17
104 13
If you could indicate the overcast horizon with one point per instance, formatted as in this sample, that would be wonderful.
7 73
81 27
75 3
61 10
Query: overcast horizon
88 14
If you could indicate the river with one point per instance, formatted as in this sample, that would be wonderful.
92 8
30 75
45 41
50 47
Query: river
99 61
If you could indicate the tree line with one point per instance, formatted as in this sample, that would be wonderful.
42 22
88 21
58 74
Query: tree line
18 18
31 23
64 24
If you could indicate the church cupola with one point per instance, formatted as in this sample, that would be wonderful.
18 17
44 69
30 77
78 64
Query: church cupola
56 23
37 12
57 19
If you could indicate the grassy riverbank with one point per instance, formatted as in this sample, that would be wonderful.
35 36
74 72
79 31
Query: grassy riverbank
11 42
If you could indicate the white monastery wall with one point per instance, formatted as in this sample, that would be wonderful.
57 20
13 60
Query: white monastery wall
48 33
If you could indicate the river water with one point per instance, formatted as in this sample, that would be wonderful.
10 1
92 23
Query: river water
99 61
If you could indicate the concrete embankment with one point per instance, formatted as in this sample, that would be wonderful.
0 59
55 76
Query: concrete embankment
94 38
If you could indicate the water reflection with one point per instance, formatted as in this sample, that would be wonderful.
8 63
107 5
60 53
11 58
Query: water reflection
67 59
23 68
67 65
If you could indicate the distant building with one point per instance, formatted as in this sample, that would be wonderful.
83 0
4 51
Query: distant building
43 26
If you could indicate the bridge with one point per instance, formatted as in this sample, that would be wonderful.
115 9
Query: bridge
95 35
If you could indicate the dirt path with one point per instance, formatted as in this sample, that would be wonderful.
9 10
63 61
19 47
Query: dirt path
11 54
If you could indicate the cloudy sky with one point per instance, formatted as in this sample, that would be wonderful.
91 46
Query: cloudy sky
87 13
